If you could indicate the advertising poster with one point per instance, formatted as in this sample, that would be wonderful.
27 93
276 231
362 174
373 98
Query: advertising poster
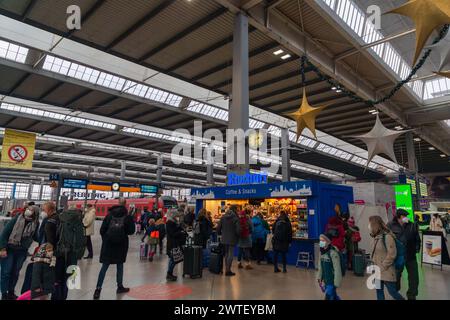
432 249
18 150
404 200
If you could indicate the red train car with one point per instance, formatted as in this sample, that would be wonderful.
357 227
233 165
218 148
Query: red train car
102 206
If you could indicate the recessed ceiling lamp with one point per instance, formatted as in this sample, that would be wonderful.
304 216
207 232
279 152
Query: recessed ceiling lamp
398 128
278 52
443 155
431 148
417 139
286 56
373 111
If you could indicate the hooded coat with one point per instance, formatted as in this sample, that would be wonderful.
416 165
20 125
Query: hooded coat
116 253
336 225
229 228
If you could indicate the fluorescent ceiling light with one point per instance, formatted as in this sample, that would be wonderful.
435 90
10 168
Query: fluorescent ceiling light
286 56
417 139
278 52
431 148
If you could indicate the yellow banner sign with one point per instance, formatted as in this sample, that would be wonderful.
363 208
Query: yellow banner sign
18 150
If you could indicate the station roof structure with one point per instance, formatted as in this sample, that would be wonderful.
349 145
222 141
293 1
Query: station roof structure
135 73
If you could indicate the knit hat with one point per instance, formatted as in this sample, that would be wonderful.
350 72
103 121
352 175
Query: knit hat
326 237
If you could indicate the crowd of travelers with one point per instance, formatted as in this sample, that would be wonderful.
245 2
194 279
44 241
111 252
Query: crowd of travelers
64 237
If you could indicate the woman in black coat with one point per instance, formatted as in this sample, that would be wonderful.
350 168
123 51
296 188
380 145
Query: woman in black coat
115 229
203 229
176 237
282 238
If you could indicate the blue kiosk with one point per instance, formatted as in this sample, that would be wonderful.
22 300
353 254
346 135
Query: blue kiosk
315 202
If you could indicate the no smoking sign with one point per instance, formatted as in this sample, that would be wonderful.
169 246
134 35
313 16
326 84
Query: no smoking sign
18 153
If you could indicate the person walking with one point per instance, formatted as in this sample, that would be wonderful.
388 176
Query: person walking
329 274
229 230
282 238
89 225
408 234
176 238
259 236
151 238
202 229
245 239
115 229
384 252
15 240
437 225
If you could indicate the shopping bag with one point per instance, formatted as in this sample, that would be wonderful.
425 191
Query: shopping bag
177 255
269 245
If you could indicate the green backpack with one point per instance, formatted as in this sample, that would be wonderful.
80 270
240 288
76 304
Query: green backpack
71 234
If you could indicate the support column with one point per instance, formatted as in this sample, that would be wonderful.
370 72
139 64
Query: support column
237 150
285 155
209 165
30 190
159 169
123 168
412 160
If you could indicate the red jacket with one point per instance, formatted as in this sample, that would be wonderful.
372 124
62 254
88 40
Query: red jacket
338 225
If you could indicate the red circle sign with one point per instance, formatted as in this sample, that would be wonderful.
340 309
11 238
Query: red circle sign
160 292
18 153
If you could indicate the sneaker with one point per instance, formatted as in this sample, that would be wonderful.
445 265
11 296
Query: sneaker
171 277
122 289
97 293
230 274
240 266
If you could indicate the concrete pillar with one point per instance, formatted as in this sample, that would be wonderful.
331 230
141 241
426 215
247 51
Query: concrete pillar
209 166
285 155
410 149
41 187
159 168
123 168
30 190
237 151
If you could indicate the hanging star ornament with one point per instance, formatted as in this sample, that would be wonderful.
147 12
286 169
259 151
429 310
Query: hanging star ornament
428 15
443 49
306 116
380 140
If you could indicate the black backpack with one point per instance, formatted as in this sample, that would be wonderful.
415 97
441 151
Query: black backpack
116 230
70 234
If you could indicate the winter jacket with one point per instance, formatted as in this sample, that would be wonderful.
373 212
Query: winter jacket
48 233
330 268
259 230
384 252
245 238
409 235
6 233
206 229
115 253
335 225
176 236
89 221
282 235
229 228
437 225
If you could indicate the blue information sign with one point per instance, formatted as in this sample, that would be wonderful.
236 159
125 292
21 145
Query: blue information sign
54 177
145 188
75 183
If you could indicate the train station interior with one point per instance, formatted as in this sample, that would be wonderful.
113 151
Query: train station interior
311 114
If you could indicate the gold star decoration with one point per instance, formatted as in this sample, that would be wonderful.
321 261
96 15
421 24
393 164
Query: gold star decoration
444 74
306 116
427 15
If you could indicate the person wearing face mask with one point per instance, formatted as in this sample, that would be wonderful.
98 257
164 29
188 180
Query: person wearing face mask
15 240
437 225
408 233
329 275
384 252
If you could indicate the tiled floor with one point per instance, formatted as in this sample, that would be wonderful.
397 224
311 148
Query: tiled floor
148 281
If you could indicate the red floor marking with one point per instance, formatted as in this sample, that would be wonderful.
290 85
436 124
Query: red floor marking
159 292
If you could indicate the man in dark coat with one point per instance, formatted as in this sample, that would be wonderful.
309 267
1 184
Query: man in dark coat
282 238
230 230
408 233
115 229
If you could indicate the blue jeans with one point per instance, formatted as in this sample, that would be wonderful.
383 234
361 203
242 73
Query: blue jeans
392 289
330 293
102 274
172 265
11 266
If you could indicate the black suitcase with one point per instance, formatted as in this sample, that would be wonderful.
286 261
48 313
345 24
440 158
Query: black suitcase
215 263
359 264
193 261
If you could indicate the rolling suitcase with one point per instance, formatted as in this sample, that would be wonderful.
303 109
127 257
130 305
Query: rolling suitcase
192 264
215 263
359 264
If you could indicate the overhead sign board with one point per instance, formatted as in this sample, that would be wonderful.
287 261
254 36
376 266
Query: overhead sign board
144 188
75 183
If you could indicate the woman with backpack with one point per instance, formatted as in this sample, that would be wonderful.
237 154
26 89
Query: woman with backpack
282 238
245 239
176 238
115 229
384 254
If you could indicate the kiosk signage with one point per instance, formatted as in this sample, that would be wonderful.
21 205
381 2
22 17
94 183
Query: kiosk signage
432 248
234 179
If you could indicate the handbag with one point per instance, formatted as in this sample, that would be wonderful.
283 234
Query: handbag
269 245
177 255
